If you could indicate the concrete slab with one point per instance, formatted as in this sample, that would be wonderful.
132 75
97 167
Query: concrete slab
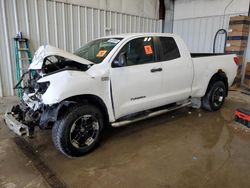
16 169
186 148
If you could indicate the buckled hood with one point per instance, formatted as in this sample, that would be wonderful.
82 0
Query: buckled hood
48 50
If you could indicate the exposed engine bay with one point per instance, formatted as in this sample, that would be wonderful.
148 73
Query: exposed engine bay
31 110
54 64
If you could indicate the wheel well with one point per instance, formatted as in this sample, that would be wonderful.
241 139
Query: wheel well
91 99
220 75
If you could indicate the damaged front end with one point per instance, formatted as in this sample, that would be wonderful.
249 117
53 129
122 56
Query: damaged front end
22 119
31 110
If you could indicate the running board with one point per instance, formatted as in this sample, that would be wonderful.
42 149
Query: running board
152 114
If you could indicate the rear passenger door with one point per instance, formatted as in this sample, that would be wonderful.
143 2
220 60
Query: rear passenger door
177 71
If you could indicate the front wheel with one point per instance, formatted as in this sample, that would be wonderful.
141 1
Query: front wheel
78 131
215 96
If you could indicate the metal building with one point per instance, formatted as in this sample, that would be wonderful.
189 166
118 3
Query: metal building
59 23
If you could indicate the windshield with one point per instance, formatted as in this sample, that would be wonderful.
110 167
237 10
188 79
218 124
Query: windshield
95 51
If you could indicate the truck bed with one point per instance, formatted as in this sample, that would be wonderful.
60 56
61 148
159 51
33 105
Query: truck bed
205 65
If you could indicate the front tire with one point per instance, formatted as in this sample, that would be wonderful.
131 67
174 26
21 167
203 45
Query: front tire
78 131
215 96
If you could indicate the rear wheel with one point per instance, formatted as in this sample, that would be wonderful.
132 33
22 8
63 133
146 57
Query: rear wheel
78 131
215 96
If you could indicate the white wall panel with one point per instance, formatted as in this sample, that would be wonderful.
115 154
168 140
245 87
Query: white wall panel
198 33
59 23
197 22
144 8
203 8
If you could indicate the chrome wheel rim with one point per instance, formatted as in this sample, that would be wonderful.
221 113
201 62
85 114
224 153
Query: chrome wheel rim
84 131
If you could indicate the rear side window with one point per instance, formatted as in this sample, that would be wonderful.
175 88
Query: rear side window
169 49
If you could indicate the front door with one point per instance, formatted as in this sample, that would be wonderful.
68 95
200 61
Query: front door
136 86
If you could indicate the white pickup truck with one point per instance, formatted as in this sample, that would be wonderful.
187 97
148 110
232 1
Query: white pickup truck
116 80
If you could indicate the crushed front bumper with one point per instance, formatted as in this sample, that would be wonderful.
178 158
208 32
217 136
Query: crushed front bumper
14 125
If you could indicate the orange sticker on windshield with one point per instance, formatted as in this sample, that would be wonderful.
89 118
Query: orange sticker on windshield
101 53
148 49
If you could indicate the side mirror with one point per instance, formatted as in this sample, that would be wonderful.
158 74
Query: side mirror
121 62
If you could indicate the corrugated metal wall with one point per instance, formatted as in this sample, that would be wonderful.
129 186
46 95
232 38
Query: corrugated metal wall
199 32
67 26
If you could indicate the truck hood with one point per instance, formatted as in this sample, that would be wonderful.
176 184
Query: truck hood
48 50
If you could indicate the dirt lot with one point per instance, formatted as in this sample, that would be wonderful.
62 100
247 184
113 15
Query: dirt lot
185 148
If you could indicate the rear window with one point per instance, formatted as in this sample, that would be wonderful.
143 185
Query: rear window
169 49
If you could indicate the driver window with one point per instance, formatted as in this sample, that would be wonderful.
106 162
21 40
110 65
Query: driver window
139 51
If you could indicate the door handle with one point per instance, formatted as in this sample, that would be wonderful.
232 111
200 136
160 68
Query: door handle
156 70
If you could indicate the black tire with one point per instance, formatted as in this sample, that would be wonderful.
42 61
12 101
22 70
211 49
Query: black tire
74 127
215 96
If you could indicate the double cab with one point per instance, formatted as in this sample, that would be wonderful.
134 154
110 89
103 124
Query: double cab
113 81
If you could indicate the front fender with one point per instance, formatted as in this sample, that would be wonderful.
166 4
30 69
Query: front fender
66 84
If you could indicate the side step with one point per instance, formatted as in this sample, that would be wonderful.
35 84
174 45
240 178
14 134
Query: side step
149 115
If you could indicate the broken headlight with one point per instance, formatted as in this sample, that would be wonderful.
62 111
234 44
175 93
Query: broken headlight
42 87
